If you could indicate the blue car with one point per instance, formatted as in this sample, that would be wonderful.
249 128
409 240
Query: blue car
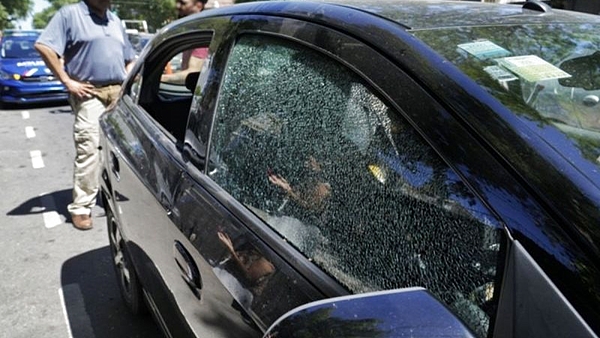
24 77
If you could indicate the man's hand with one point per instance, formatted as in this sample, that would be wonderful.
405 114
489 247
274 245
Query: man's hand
79 89
280 182
224 238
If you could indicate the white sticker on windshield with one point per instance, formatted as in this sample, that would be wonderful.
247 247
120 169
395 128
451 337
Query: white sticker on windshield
484 49
532 68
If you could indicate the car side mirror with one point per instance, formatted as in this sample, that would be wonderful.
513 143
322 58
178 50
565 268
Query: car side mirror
584 71
411 312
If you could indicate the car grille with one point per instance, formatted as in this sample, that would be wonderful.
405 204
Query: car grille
44 78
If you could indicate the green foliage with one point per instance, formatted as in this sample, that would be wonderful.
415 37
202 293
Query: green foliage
156 13
11 10
41 19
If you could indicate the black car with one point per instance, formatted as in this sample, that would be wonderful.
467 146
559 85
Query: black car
361 169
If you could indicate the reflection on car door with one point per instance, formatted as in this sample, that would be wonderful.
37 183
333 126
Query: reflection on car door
257 281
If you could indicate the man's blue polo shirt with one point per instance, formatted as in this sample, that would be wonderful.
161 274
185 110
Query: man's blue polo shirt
94 49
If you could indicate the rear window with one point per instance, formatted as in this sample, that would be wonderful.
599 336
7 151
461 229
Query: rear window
549 74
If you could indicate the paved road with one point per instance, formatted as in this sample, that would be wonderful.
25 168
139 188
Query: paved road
55 281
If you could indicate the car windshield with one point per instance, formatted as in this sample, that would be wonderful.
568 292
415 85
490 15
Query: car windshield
548 74
19 48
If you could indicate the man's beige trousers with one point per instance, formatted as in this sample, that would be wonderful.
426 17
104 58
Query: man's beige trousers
86 133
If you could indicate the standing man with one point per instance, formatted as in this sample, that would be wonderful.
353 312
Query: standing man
97 55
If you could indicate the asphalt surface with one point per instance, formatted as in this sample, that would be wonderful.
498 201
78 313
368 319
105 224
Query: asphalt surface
55 280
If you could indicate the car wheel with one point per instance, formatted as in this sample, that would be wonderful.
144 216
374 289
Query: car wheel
131 289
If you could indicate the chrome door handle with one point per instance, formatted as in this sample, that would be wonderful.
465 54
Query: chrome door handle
188 268
115 166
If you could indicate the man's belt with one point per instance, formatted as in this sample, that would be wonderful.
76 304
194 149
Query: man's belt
103 85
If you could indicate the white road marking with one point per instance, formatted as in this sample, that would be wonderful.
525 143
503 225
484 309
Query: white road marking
64 308
36 159
25 114
29 132
51 217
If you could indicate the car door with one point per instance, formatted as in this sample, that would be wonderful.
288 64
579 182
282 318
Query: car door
145 168
290 104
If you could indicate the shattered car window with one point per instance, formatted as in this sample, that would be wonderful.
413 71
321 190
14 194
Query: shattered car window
308 147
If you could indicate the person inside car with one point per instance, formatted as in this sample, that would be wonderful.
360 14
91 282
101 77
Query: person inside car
192 59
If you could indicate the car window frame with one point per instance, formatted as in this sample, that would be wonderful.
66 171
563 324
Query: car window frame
147 70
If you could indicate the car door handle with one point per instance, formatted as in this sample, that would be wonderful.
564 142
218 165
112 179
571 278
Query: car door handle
114 165
188 268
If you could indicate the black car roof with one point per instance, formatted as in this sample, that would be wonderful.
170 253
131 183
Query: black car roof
409 14
423 14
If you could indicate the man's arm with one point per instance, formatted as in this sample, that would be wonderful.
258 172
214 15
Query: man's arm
129 66
194 65
81 90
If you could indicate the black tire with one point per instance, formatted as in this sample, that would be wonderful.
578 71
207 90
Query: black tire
129 285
